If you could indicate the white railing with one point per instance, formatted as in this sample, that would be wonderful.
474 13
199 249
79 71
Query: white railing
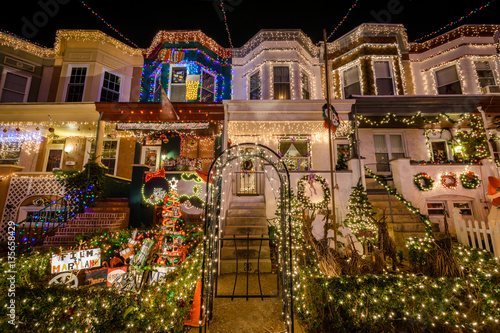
480 235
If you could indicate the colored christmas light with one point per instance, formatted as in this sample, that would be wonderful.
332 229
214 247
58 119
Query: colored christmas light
343 19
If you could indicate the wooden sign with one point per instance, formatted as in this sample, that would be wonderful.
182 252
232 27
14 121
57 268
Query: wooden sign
97 278
114 273
75 260
158 272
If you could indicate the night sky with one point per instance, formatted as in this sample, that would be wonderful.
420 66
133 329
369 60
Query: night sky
141 20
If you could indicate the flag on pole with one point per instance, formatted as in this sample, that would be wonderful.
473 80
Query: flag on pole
166 104
333 121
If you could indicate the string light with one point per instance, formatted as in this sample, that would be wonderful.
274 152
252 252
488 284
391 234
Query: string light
343 19
225 23
452 23
109 25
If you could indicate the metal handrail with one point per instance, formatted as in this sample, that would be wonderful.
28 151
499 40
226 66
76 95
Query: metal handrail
66 209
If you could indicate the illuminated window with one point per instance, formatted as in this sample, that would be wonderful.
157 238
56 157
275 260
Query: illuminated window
352 86
281 82
10 152
110 91
255 86
296 153
383 78
178 84
439 150
447 81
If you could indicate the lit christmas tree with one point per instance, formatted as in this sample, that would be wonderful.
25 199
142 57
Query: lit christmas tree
173 237
341 162
360 216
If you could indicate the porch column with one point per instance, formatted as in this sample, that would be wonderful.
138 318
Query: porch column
99 140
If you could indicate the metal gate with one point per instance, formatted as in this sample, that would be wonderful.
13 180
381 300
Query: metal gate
218 186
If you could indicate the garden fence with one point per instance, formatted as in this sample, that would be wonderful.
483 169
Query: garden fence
482 235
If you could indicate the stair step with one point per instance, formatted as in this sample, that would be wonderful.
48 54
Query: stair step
241 241
248 198
413 227
247 205
246 213
252 252
108 209
229 266
240 220
243 230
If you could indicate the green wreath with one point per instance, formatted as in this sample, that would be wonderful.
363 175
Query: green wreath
304 198
423 181
470 180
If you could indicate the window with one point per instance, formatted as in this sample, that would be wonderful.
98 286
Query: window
464 209
76 84
151 157
207 87
10 152
110 91
178 84
255 86
304 84
448 81
53 160
383 78
439 151
436 208
343 148
15 87
109 154
295 153
281 82
352 85
387 147
484 73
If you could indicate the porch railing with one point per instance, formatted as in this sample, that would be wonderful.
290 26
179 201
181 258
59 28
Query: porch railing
38 225
248 183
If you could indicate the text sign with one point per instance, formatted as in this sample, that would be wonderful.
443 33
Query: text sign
161 126
70 261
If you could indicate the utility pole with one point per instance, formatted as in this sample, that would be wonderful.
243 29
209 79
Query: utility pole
330 144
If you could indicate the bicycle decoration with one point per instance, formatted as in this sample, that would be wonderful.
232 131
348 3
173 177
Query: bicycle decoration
313 192
470 180
423 181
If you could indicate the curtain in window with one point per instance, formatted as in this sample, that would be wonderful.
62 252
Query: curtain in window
447 75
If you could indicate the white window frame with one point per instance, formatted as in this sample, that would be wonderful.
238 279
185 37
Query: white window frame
303 73
492 69
388 145
19 73
68 77
170 74
458 76
89 152
215 85
342 83
104 70
449 153
391 73
48 148
289 81
158 156
250 85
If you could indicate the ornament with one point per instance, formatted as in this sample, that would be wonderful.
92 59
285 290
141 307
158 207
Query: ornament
17 129
37 128
51 129
79 128
5 130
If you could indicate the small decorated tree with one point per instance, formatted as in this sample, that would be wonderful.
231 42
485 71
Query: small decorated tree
341 162
360 216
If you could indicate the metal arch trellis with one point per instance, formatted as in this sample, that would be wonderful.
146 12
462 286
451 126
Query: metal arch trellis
211 226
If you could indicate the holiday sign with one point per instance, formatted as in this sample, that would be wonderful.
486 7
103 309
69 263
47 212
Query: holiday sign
75 260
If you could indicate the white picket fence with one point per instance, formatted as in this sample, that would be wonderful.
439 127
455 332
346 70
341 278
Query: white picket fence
480 235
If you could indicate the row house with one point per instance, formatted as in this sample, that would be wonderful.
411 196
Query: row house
405 108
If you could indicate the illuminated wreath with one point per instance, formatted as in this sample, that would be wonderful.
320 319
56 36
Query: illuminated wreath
470 180
423 181
313 192
247 165
449 180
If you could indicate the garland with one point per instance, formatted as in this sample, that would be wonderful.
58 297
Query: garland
470 180
423 181
449 180
304 199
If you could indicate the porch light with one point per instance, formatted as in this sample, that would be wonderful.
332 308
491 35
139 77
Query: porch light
68 148
458 149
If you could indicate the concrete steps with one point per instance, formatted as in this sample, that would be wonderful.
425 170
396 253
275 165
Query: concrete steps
246 217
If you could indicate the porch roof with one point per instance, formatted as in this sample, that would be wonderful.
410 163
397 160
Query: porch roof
153 112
